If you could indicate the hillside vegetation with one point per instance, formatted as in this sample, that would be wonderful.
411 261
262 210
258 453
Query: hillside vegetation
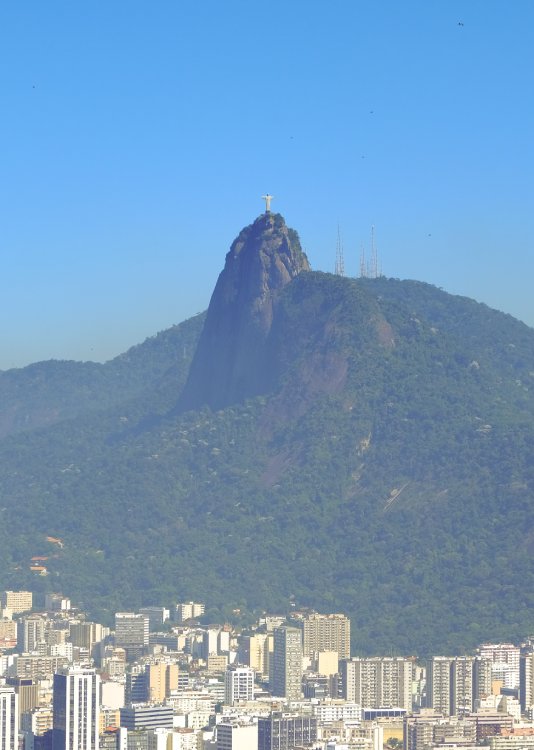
388 474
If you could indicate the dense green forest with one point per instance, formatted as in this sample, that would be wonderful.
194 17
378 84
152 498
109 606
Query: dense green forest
388 473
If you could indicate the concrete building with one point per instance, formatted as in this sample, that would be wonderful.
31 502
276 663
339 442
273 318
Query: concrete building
256 652
316 685
216 663
38 667
145 716
161 679
438 684
86 634
282 731
326 662
526 681
505 662
457 685
490 723
35 725
462 693
238 684
131 629
57 603
156 616
112 694
215 641
236 735
16 601
325 633
76 714
31 633
27 691
9 719
132 633
188 611
418 729
287 663
336 710
512 742
8 633
482 679
136 689
377 682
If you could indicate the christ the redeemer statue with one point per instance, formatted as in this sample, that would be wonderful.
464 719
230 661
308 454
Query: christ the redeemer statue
267 198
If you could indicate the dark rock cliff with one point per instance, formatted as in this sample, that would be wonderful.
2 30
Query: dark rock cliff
231 362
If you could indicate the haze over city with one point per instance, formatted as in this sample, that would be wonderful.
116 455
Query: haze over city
137 141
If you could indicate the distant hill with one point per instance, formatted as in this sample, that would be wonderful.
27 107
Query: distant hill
365 445
48 392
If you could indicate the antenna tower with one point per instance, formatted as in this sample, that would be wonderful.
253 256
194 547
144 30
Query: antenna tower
340 260
363 266
374 257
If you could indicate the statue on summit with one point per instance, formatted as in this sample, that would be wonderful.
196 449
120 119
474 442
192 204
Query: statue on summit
267 198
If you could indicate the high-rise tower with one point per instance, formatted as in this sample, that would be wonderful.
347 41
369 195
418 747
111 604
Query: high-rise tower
76 709
287 663
9 719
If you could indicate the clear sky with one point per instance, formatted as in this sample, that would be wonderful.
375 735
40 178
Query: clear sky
137 139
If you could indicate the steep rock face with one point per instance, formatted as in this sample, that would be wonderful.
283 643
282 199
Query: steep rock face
231 362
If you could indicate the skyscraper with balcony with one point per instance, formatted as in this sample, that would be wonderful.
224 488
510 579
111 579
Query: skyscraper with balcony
9 719
238 684
132 633
378 682
287 663
76 709
326 633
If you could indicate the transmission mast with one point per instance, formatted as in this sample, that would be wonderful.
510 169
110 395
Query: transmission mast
363 266
374 257
340 260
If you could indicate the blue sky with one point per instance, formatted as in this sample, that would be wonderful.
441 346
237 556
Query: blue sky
137 139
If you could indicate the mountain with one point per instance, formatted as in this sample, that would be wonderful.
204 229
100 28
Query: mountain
358 445
45 393
231 361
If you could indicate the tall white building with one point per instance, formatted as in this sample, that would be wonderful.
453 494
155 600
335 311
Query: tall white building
526 689
462 685
378 682
505 662
9 719
438 684
76 709
31 633
455 683
287 663
238 684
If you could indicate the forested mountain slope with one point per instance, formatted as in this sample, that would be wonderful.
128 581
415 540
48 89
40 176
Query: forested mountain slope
44 393
386 470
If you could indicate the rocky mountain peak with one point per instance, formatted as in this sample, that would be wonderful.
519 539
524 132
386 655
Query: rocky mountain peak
229 364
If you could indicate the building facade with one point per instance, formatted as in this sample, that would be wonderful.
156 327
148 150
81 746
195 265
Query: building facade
285 731
236 735
378 682
238 684
287 663
16 601
9 719
326 633
76 709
